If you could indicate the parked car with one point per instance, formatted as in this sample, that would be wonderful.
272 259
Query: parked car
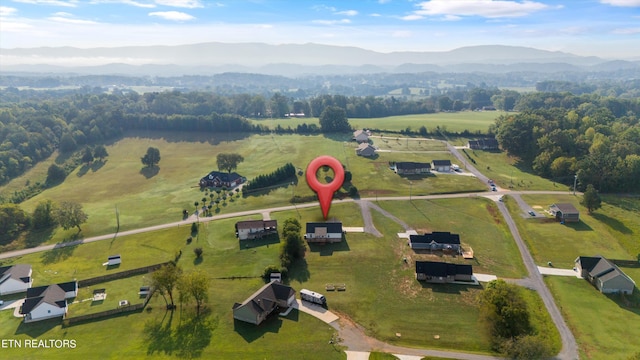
532 213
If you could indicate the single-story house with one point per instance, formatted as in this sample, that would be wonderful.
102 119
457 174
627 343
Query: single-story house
329 232
565 212
263 302
366 150
361 136
441 165
222 179
604 275
46 302
483 144
253 229
439 272
15 278
411 168
437 240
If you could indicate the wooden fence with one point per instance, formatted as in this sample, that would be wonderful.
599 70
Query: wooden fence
120 275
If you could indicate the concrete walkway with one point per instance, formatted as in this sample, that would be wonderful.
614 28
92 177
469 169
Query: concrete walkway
316 311
559 272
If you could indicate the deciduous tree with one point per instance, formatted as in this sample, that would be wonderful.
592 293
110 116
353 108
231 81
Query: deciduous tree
87 157
42 216
334 119
69 214
229 161
591 200
194 285
164 280
100 152
151 158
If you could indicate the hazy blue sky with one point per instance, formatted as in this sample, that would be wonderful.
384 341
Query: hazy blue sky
605 28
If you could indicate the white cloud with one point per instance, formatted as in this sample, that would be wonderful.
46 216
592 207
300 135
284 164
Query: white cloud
69 3
628 3
61 13
323 8
125 2
347 13
332 22
627 31
14 26
69 19
383 1
189 4
483 8
402 34
412 17
7 11
172 15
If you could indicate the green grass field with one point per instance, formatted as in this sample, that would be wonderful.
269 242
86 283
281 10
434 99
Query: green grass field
145 198
473 121
603 325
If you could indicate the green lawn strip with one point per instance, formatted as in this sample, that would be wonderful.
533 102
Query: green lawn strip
479 224
381 356
508 173
548 240
603 327
541 321
116 290
455 121
403 143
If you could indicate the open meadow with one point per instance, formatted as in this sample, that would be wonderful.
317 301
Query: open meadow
473 121
145 197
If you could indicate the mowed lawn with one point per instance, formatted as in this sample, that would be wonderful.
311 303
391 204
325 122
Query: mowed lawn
145 197
472 121
604 326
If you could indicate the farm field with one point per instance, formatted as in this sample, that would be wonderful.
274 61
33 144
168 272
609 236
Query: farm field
473 121
144 198
594 318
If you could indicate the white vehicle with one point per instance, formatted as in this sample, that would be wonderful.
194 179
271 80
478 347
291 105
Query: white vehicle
312 296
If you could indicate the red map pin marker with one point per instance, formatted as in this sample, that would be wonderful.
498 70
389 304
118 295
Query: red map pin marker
325 191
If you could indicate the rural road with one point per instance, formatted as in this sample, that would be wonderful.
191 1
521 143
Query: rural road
569 346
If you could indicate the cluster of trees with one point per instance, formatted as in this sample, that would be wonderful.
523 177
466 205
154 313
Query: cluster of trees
504 311
293 247
582 136
192 285
281 174
47 214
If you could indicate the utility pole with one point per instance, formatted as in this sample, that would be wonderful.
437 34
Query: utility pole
575 180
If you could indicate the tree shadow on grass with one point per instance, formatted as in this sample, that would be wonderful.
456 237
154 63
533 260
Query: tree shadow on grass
193 335
159 335
299 271
149 172
97 165
329 249
83 170
265 241
615 224
38 328
578 226
59 253
37 237
251 332
455 289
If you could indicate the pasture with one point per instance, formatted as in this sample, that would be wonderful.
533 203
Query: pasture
146 197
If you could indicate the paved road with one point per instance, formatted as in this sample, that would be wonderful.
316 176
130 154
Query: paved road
534 281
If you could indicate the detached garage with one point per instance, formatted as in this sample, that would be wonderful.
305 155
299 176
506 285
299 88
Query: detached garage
565 212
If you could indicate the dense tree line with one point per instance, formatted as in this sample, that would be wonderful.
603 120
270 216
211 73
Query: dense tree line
561 135
283 173
293 247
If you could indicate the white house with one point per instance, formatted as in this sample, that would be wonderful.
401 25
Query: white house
46 302
253 229
604 275
361 136
330 232
15 278
441 165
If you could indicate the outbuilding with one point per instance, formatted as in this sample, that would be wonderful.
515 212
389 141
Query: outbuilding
565 212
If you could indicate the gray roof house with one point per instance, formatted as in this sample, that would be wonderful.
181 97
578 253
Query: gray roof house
565 212
361 136
604 275
483 144
439 272
254 229
15 278
437 240
323 232
366 150
411 168
46 302
263 302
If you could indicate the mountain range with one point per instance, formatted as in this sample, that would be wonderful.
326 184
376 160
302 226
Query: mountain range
294 59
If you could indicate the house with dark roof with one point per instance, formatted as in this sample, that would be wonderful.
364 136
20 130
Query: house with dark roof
221 179
361 136
253 229
262 303
439 272
441 165
46 302
327 232
411 168
604 275
437 240
483 144
15 278
565 212
366 150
